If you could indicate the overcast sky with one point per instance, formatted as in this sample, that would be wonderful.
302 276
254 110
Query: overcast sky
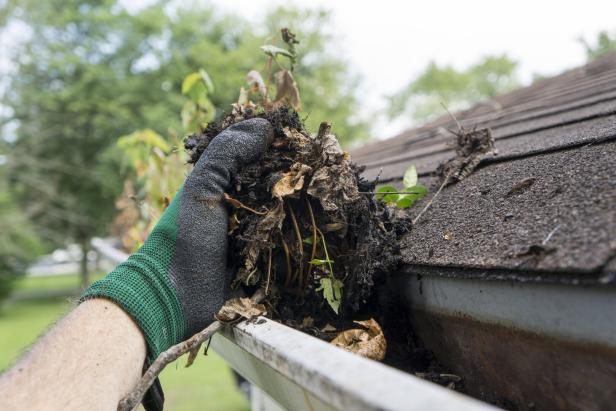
389 42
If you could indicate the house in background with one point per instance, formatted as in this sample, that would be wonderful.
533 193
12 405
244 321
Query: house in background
510 276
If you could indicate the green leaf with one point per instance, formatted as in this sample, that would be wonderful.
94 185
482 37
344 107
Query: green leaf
206 80
415 193
318 261
388 198
274 51
197 92
418 189
189 82
332 292
410 177
307 240
405 202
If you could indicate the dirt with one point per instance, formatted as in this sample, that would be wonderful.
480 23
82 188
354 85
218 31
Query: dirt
300 223
305 201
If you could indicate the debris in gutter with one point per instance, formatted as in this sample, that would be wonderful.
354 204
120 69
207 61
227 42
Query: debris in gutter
367 341
236 309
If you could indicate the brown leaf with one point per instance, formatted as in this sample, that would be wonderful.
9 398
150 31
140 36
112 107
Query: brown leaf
299 142
242 100
334 186
334 226
291 181
256 83
328 328
368 342
192 355
332 153
236 308
286 90
261 241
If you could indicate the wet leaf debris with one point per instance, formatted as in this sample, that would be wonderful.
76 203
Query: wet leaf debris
299 227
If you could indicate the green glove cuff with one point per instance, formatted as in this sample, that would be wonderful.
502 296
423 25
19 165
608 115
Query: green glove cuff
140 285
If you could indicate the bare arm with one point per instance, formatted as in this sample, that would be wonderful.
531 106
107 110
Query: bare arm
89 360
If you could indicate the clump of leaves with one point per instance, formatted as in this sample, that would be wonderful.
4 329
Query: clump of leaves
301 227
405 196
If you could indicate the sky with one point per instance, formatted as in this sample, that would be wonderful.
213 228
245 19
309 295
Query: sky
389 42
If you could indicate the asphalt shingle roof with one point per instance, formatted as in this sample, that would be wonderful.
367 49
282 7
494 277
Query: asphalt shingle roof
557 141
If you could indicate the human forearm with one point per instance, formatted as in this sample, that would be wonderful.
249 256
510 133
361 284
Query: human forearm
95 345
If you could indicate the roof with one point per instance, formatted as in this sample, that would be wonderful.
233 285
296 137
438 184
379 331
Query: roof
543 208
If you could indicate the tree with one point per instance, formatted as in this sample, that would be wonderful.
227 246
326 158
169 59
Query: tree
90 72
457 89
19 244
605 43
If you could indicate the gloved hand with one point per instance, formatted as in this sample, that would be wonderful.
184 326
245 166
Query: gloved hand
175 283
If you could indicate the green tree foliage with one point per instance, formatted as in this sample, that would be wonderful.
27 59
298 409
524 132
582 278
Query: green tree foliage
458 89
90 71
18 242
605 43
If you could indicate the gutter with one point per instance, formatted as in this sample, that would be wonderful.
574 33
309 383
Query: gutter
301 372
521 345
292 370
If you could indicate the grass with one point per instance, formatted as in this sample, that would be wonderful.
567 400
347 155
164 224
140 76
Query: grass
56 282
207 385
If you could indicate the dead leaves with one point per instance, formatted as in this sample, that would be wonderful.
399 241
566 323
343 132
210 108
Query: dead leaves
260 242
291 181
256 83
286 90
471 147
368 342
334 186
238 308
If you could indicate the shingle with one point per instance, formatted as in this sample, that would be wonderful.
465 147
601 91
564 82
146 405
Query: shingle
555 173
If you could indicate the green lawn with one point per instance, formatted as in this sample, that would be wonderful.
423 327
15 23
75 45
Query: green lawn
207 385
56 282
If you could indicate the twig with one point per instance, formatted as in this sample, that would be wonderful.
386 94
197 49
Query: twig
133 399
329 262
550 234
388 192
452 116
269 271
314 237
285 248
238 204
431 199
300 246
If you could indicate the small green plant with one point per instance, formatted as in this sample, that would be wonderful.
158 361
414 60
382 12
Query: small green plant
332 291
407 195
330 285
